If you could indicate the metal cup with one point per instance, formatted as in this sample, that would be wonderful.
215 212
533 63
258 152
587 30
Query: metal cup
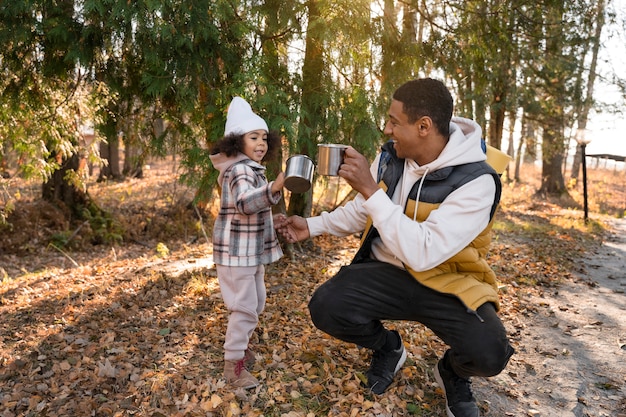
299 173
329 158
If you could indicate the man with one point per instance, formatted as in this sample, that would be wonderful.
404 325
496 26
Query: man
425 205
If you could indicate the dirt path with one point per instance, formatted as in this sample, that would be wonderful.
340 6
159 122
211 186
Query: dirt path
571 346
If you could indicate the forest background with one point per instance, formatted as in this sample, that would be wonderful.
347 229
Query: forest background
98 94
84 80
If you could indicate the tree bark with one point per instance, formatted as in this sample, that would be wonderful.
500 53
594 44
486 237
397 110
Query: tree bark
278 73
584 113
109 151
511 146
62 192
4 165
133 160
311 109
554 103
552 182
497 114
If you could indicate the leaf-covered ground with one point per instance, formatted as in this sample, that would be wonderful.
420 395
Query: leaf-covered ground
137 328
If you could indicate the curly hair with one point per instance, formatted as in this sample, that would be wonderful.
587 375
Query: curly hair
427 97
232 144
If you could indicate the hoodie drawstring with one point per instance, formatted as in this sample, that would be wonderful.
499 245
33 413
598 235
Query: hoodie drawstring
419 190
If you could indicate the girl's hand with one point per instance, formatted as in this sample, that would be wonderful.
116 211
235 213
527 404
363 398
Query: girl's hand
292 229
278 183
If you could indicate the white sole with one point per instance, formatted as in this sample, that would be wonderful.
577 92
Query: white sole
443 387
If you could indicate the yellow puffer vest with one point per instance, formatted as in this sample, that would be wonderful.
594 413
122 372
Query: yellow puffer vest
466 275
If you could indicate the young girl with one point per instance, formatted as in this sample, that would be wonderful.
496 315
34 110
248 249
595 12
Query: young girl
244 239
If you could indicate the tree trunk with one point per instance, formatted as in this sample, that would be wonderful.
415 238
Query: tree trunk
511 147
134 160
584 113
312 101
552 182
388 43
518 161
528 141
554 103
4 165
497 114
277 72
61 191
109 151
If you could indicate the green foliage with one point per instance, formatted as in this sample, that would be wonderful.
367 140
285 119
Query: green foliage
39 119
317 71
61 239
104 228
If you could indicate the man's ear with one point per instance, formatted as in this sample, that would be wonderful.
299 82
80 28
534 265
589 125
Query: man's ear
424 124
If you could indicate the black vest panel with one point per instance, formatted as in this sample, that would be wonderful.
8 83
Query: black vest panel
436 187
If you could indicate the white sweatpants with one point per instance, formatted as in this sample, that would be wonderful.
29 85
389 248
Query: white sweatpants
243 291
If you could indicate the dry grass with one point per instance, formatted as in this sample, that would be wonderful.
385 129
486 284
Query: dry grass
606 189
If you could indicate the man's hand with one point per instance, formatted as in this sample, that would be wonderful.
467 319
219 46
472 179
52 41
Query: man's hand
292 229
355 169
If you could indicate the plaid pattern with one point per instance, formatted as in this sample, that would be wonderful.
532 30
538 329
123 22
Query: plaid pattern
243 234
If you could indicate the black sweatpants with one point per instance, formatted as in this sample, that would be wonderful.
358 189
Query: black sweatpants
351 305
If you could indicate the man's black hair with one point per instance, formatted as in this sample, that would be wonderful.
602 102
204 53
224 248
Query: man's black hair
427 97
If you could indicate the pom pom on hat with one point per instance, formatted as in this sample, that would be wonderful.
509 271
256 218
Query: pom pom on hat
241 119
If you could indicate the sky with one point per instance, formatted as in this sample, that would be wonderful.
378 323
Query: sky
607 132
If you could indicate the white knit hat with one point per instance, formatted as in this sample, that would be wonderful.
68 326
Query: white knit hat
241 119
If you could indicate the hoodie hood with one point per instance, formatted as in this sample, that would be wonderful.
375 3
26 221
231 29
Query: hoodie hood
464 145
221 162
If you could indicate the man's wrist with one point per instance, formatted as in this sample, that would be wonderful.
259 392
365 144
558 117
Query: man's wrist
370 191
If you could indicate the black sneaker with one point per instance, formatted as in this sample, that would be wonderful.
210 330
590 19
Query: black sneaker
384 367
460 401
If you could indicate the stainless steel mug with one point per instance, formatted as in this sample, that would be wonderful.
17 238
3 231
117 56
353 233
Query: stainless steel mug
329 158
299 173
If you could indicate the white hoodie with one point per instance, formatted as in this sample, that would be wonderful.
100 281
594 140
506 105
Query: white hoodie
448 229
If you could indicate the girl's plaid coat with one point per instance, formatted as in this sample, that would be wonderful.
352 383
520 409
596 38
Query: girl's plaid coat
243 234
